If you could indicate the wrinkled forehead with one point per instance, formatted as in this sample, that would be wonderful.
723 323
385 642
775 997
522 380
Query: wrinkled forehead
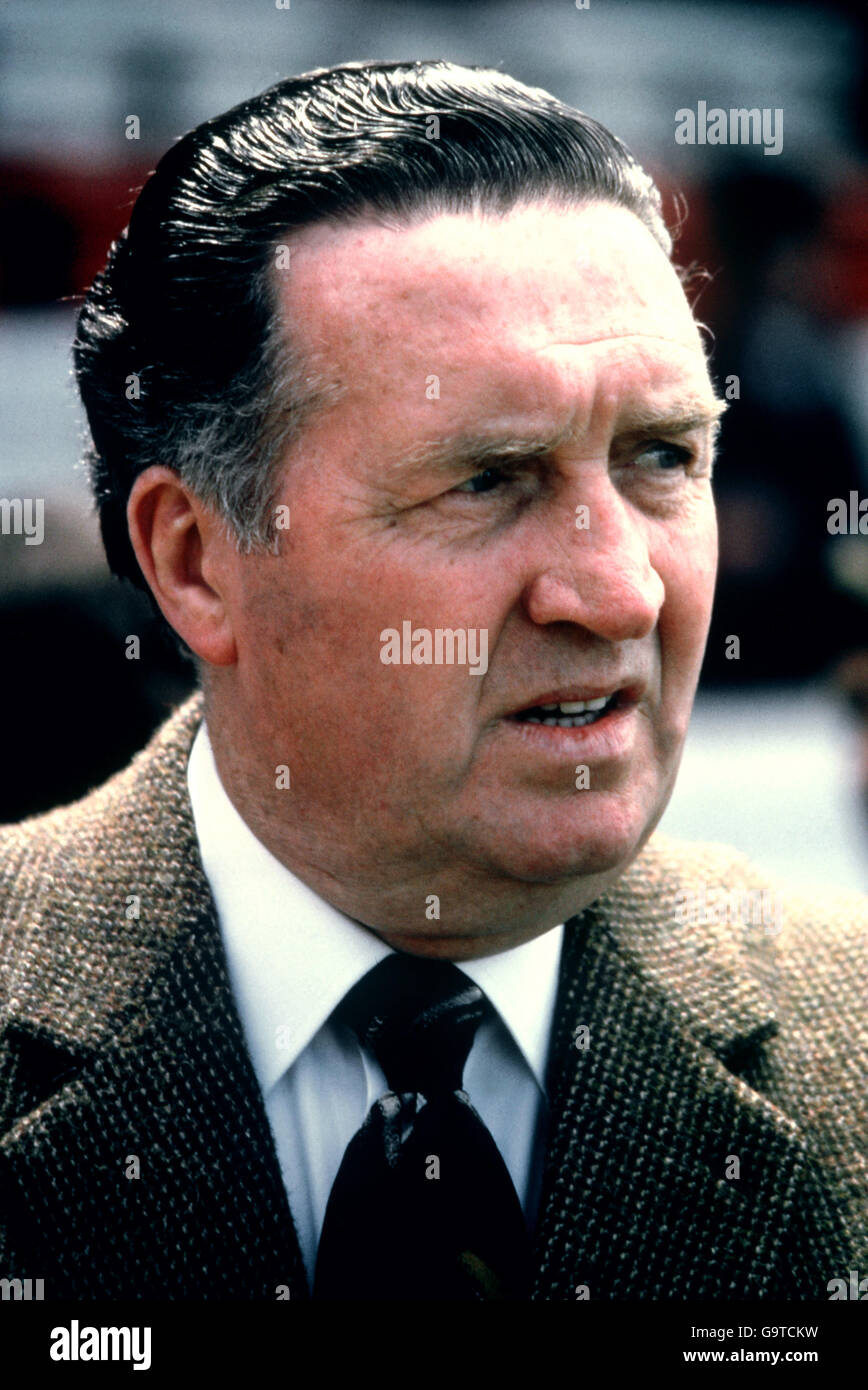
540 275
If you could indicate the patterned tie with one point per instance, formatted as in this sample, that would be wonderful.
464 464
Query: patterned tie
423 1206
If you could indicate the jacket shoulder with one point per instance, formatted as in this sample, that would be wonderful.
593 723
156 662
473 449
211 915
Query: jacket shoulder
799 955
64 874
806 946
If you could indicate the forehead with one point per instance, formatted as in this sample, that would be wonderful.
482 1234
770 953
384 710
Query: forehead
529 299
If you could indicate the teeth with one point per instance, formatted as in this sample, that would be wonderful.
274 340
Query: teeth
574 721
581 706
569 713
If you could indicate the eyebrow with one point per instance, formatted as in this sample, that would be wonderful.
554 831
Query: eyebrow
680 418
455 453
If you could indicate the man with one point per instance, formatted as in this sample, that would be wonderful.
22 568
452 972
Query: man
400 413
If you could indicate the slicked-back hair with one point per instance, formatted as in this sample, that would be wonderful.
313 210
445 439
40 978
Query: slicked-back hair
182 355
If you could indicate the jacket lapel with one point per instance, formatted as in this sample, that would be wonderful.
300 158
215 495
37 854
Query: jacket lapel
641 1198
145 1168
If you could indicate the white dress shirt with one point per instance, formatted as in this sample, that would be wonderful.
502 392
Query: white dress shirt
292 957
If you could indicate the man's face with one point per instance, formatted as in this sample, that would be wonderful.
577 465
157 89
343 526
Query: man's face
522 449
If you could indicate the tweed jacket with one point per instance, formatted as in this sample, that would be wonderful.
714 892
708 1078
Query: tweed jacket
136 1159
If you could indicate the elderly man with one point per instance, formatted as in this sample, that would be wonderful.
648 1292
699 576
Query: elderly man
368 979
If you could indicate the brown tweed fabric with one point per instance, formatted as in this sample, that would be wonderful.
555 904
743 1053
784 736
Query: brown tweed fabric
135 1154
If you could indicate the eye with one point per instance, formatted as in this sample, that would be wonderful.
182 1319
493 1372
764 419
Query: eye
667 456
485 481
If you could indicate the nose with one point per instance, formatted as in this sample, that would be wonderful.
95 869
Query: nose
602 578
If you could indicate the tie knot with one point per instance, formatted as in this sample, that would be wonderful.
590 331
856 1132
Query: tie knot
419 1018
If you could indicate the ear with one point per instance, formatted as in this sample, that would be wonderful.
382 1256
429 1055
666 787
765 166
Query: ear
182 549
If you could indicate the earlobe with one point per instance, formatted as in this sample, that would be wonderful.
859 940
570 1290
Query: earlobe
174 537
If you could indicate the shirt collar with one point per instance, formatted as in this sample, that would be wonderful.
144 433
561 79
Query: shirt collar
292 956
522 984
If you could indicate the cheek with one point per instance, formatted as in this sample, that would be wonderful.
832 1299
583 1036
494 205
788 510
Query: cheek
689 570
312 668
704 566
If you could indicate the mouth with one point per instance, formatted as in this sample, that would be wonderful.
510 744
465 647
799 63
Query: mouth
568 714
575 709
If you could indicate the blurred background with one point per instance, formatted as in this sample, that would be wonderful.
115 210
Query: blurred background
777 760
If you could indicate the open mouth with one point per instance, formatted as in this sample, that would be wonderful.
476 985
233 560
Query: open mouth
569 714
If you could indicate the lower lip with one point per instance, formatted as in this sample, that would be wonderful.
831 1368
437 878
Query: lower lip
609 737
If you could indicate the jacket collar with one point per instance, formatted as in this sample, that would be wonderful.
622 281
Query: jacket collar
706 968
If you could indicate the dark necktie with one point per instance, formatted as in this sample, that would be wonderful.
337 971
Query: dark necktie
423 1206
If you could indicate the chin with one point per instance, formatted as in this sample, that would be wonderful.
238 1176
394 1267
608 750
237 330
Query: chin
601 848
